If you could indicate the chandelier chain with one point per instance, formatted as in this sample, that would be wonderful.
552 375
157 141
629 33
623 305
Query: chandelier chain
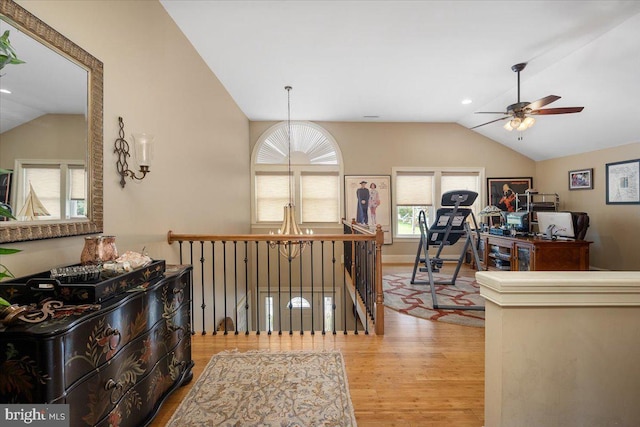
288 89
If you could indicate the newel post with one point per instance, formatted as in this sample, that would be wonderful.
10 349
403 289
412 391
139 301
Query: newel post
378 280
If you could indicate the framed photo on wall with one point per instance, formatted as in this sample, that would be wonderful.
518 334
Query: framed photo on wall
502 192
368 201
581 179
623 182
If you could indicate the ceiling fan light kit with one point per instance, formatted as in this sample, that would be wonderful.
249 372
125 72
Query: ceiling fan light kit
519 124
519 114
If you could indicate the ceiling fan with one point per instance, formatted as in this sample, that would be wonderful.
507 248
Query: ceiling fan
520 113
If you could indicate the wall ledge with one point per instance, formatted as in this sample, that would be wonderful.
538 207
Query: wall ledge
561 288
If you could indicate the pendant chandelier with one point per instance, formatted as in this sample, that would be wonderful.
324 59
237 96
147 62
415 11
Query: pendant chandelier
289 227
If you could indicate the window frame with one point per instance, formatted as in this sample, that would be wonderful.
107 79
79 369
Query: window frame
436 173
64 166
297 171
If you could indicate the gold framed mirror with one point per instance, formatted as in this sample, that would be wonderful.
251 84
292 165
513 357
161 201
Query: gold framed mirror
91 221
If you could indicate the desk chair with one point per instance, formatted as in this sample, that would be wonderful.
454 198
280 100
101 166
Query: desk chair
448 228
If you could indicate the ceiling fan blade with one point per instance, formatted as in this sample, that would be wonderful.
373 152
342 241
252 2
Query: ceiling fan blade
565 110
492 121
543 101
490 112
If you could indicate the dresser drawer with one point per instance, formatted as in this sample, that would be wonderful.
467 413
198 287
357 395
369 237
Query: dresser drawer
141 402
103 388
26 373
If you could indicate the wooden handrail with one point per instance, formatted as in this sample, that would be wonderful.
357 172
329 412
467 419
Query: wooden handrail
174 237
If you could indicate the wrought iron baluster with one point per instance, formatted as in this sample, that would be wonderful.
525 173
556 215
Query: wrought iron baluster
301 297
289 305
257 293
271 315
193 331
224 283
324 315
213 285
279 292
235 285
203 306
311 269
333 302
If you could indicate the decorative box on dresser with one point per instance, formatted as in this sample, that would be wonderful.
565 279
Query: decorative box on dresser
114 365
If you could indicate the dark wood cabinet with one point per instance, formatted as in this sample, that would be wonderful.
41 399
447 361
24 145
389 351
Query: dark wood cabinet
531 253
112 366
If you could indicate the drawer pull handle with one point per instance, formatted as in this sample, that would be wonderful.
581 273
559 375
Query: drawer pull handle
116 390
180 329
113 333
179 295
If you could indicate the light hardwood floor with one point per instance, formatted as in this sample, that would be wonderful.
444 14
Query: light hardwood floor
420 373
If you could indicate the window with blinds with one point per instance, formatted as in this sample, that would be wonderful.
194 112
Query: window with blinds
414 193
421 190
272 194
462 181
43 181
320 197
59 186
316 172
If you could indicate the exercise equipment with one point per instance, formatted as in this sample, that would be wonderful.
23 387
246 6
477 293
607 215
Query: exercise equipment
449 227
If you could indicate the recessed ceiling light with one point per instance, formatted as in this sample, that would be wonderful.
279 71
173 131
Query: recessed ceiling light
5 91
466 101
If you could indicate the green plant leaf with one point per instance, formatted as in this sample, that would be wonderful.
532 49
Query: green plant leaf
6 251
4 272
4 302
5 213
7 55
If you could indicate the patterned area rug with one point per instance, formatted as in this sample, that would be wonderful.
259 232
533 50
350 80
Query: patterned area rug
262 388
402 296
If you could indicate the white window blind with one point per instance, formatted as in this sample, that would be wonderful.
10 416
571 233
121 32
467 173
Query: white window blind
461 181
272 194
414 189
466 181
320 198
77 181
45 181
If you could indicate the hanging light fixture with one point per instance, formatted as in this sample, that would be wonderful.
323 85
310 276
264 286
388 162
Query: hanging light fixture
289 227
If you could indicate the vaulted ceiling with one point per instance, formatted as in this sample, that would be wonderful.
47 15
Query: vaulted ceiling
416 61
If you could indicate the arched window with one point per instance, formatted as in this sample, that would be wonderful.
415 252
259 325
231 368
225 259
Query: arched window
316 174
298 302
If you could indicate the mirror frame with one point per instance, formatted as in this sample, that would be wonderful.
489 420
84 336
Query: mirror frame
35 230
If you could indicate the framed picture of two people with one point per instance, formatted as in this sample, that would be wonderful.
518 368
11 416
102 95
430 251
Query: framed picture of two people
368 201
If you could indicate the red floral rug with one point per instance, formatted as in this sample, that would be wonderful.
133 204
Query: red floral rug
416 300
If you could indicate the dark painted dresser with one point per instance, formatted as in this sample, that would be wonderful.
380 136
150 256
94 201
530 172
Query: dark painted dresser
114 365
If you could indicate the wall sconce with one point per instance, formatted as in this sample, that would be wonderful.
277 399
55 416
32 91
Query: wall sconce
143 145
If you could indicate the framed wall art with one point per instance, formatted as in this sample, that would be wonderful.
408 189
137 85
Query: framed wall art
623 182
368 201
581 179
502 192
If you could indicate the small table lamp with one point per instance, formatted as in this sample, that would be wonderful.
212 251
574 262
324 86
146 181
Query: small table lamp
490 211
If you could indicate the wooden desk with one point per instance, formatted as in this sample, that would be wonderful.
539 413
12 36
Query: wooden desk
531 253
